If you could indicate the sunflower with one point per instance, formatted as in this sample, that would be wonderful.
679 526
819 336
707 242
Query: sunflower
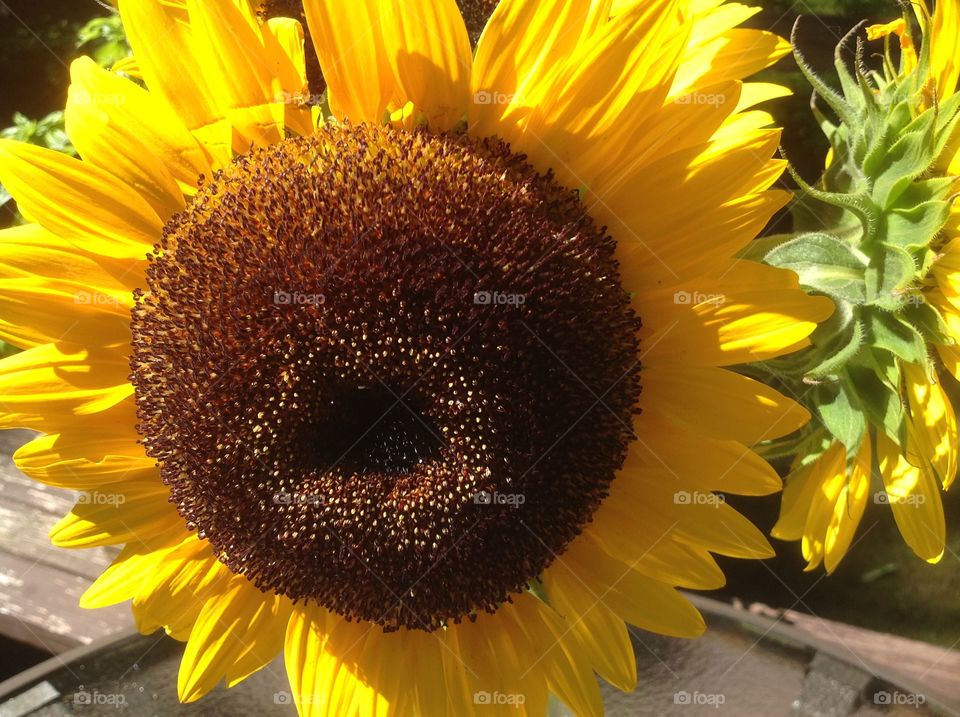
883 244
361 380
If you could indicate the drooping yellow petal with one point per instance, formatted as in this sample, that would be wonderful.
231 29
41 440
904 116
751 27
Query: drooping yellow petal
78 201
239 630
798 494
378 56
914 498
830 476
849 508
934 424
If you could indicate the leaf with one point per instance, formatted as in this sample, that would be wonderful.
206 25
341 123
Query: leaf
823 264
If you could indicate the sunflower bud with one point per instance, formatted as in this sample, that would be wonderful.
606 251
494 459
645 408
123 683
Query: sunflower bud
874 236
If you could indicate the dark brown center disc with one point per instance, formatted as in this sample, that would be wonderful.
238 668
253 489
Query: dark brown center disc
391 372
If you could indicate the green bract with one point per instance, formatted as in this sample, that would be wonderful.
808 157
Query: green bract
867 236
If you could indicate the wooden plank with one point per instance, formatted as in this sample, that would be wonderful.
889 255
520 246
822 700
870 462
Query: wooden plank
40 585
39 606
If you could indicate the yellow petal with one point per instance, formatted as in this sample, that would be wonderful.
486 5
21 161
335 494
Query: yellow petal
798 493
521 44
934 424
239 630
82 459
321 652
377 56
120 127
737 328
830 475
120 513
665 453
849 508
914 498
720 403
602 635
582 110
945 36
153 27
78 201
122 580
50 385
636 598
173 594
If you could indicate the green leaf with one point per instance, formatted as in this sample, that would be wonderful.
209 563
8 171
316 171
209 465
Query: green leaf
823 264
841 413
885 331
890 272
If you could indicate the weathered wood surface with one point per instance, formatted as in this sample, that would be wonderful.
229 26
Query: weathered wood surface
40 586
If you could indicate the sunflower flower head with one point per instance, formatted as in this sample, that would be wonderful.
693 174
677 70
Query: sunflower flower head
876 234
424 382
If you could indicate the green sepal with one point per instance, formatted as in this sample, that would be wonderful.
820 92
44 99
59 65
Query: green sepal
881 404
840 355
890 273
927 320
823 264
840 410
918 226
886 331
